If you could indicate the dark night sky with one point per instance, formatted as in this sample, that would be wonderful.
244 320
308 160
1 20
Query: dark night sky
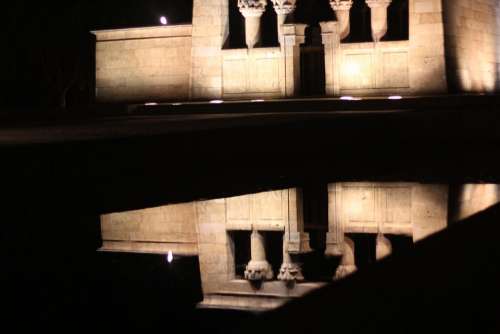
44 39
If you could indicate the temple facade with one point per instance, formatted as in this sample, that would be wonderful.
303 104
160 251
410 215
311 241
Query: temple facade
368 48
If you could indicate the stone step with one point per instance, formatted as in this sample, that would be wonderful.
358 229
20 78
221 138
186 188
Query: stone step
245 302
242 295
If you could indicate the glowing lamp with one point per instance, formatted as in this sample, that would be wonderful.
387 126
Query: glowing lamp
163 20
170 257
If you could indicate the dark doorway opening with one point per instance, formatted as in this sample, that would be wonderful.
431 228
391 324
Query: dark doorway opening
274 250
241 243
364 249
312 63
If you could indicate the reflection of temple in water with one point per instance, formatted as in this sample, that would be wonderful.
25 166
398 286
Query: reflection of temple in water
256 251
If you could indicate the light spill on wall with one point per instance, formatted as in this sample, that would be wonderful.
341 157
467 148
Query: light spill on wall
474 198
472 36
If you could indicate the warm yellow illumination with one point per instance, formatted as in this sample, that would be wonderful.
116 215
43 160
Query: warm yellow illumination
350 98
352 69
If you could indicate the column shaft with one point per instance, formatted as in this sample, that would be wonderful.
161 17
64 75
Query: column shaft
258 268
378 9
252 11
342 10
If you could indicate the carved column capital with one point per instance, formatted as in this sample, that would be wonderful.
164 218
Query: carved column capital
284 7
378 3
378 9
342 9
258 269
252 8
341 4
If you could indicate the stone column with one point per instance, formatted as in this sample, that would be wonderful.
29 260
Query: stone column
347 263
258 269
283 8
290 270
335 235
295 240
378 9
342 10
252 11
293 36
383 247
331 41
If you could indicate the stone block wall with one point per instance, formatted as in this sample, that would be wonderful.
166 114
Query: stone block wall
472 30
153 230
210 31
474 198
216 249
427 48
252 73
373 70
143 64
411 209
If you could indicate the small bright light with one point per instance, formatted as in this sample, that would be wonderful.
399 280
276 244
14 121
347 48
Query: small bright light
163 20
216 101
347 98
150 104
170 257
395 97
350 98
177 104
258 100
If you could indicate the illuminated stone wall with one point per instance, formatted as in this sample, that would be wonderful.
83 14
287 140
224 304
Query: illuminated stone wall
474 198
407 67
427 49
472 44
143 64
152 230
253 73
210 31
367 70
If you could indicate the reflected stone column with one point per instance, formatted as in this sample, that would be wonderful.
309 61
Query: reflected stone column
383 247
258 269
337 244
252 11
290 270
283 8
347 263
378 9
342 10
295 240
